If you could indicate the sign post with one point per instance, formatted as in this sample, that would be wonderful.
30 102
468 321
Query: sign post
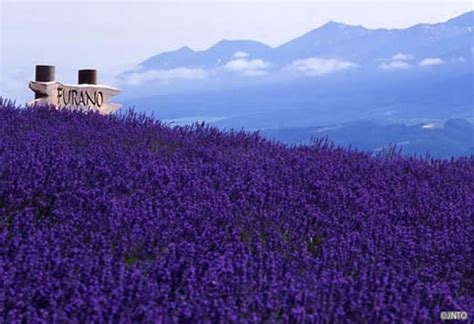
87 95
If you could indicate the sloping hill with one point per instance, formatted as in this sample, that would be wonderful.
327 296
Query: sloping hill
454 138
110 219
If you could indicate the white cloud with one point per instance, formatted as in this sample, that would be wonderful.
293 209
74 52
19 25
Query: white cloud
162 75
394 65
314 66
402 57
240 54
431 61
244 65
254 67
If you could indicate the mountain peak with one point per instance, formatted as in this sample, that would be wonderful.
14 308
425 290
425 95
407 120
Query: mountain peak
185 49
327 33
227 47
333 24
237 42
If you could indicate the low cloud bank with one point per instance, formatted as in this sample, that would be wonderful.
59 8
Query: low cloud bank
431 61
241 64
182 73
254 67
394 65
240 54
315 66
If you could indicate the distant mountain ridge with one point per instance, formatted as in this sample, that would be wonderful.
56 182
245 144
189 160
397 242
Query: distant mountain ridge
360 45
187 57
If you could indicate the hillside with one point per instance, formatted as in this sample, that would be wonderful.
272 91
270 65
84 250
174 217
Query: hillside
122 218
453 139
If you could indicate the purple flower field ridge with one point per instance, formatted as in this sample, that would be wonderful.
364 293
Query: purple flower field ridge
124 219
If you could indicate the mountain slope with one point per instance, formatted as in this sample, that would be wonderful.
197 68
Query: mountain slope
216 55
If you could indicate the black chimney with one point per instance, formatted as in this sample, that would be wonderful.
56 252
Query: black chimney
44 73
88 76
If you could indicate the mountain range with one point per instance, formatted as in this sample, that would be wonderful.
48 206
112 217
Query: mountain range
334 74
450 42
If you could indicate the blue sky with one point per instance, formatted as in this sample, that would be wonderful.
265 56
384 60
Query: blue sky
115 35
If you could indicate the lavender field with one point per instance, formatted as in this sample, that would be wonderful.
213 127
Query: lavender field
125 219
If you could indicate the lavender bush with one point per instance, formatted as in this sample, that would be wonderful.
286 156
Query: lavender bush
124 219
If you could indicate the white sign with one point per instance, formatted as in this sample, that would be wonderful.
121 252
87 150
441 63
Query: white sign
82 96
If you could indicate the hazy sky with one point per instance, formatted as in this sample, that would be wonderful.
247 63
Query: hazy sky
114 35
